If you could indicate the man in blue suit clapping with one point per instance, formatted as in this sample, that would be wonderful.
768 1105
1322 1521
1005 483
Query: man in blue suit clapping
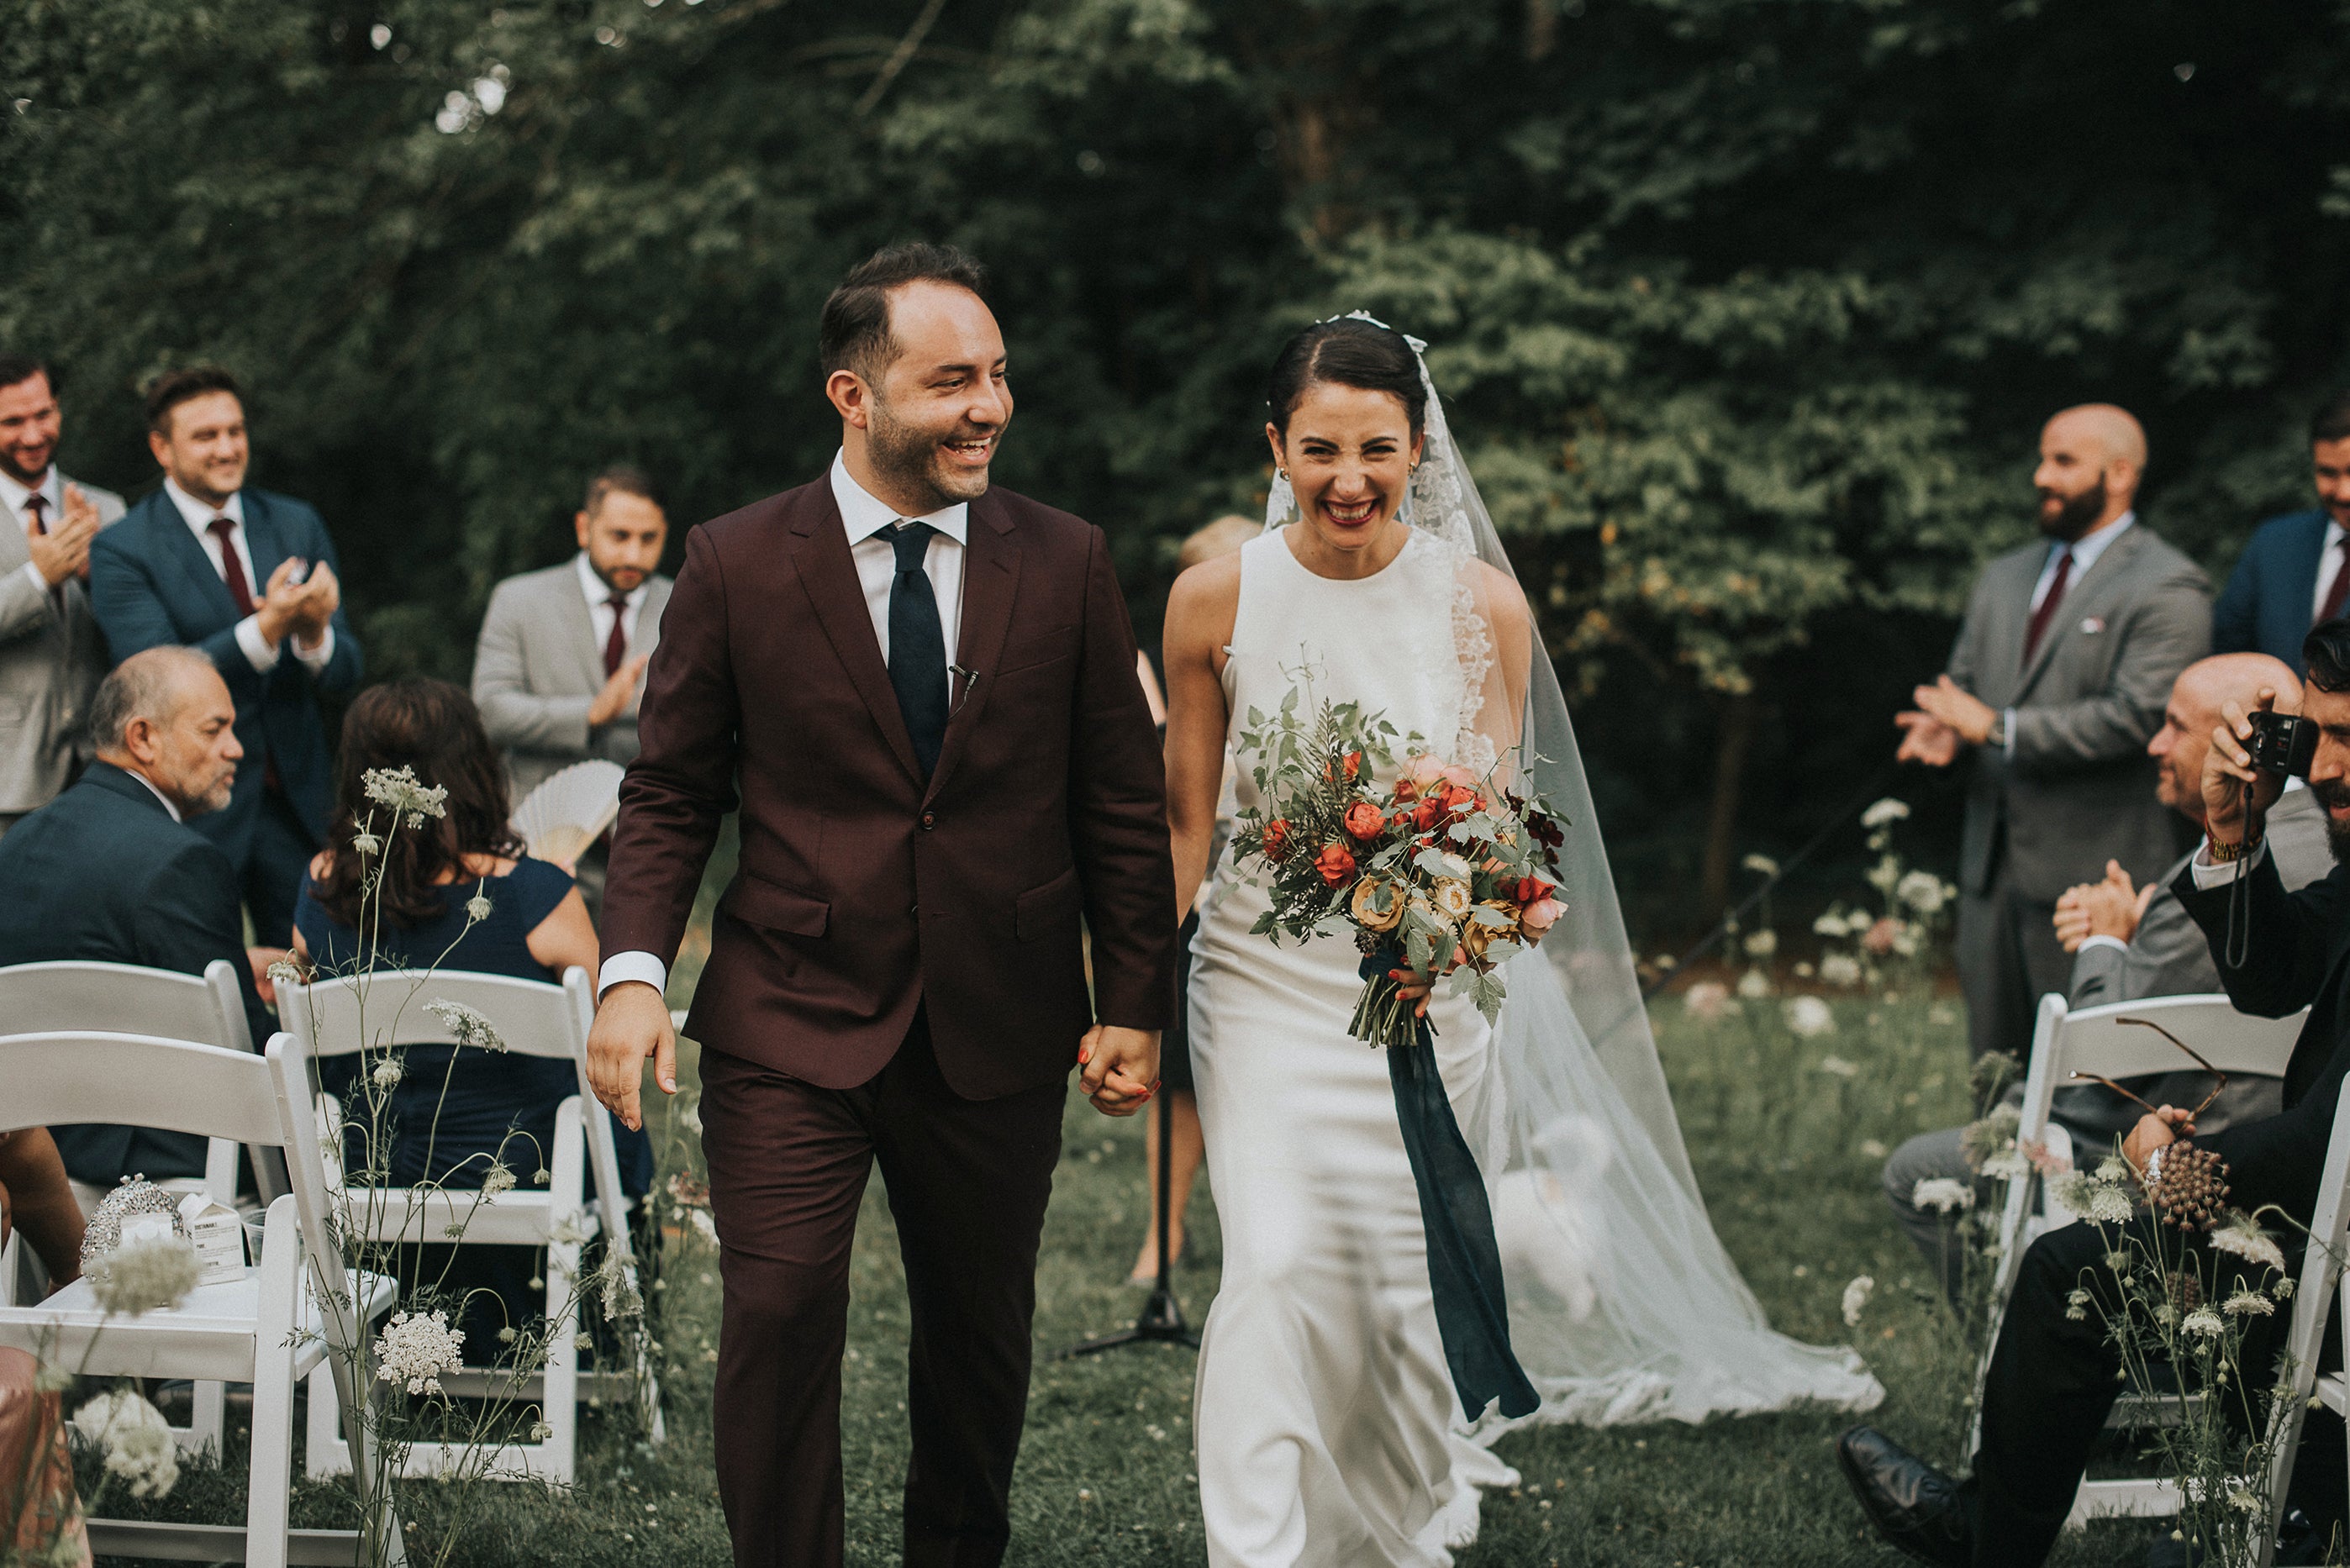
2291 576
246 578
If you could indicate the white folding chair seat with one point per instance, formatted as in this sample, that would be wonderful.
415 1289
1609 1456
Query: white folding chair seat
275 1324
2095 1040
342 1016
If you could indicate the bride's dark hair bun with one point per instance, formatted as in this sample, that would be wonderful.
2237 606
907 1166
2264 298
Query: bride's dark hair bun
1349 352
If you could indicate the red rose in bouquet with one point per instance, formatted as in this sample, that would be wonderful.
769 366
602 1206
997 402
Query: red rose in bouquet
1335 864
1276 838
1364 822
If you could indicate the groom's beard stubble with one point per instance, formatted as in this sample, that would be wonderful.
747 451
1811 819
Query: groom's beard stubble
2332 793
909 456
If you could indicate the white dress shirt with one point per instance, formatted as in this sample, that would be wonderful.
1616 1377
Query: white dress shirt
867 520
599 606
259 652
51 490
2329 561
2085 551
158 793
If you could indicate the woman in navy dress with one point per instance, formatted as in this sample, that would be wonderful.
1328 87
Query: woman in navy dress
455 1111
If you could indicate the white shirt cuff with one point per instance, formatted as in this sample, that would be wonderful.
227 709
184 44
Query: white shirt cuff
258 650
2209 873
2007 731
2103 940
39 581
315 659
622 968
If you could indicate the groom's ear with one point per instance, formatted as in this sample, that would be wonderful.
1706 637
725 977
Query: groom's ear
851 396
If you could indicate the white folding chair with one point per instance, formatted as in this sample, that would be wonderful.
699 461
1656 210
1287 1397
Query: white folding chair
2314 1298
125 999
270 1328
339 1017
2095 1040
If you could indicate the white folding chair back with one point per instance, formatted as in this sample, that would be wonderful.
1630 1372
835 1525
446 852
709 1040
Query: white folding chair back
2315 1295
271 1327
2096 1040
342 1016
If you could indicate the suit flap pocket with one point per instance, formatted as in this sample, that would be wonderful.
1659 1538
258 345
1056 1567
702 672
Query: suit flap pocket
756 901
1031 651
1040 909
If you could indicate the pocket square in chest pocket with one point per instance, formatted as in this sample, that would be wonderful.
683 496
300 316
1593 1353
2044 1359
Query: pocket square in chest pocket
2091 624
1032 652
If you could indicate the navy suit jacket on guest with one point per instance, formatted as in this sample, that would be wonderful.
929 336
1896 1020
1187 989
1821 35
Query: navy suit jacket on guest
150 582
2273 593
103 873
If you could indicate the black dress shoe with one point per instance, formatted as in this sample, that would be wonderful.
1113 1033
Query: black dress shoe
1915 1507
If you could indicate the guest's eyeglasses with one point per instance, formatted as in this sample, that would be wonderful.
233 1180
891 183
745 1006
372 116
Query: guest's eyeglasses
2217 1089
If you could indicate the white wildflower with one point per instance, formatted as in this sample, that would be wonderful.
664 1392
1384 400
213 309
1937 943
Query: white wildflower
136 1440
2242 1500
543 1177
367 843
1761 944
1836 1066
1906 944
1942 1194
1832 925
507 1334
1921 890
477 907
1762 864
285 972
1884 873
2111 1205
1810 1018
2007 1165
1841 970
1884 813
1754 985
540 1431
400 789
469 1026
2248 1302
2241 1234
1874 1148
387 1073
2113 1168
497 1180
568 1233
1708 1000
2077 1306
690 1115
148 1275
621 1299
705 1224
1856 1297
2203 1321
2070 1189
416 1350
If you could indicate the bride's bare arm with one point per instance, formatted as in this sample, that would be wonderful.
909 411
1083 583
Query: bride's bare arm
1199 614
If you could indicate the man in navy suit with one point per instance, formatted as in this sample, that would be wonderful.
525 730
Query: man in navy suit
2292 575
247 579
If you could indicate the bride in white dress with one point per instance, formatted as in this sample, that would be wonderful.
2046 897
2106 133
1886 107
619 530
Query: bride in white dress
1328 1429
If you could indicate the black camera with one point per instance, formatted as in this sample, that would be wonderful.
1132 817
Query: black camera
2283 743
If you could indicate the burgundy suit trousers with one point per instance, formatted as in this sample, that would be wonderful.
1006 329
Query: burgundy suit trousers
968 1182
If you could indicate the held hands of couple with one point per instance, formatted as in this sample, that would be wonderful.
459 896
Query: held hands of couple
64 551
1118 1068
2111 907
632 1022
2235 795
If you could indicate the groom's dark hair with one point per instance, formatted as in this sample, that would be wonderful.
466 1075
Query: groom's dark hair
853 334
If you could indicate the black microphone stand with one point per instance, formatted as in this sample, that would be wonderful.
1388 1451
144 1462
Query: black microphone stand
1162 1315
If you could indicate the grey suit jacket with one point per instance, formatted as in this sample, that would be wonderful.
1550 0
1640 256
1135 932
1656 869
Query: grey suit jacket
2079 788
537 667
2171 956
51 660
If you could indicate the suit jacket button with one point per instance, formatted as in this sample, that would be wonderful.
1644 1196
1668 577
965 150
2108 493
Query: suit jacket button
929 822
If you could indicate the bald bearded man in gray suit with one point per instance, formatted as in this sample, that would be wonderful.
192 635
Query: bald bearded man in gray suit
2057 681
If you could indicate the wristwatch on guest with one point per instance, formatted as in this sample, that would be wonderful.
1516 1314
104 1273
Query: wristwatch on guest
2223 851
1997 735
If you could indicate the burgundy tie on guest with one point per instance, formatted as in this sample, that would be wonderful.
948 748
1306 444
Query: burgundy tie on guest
2046 613
231 569
616 646
2334 595
36 504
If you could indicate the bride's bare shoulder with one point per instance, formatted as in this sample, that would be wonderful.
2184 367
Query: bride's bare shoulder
1205 601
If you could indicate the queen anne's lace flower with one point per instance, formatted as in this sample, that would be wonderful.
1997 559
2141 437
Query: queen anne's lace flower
1856 1298
1921 890
1753 985
387 1073
477 907
400 789
2241 1234
2248 1303
621 1300
1884 813
1809 1017
705 1224
145 1276
469 1026
1943 1194
2077 1306
416 1350
1709 1001
366 843
136 1440
2205 1322
1841 970
497 1180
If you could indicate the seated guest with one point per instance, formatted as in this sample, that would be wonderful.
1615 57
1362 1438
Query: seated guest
2130 943
454 1111
110 871
40 1516
2054 1374
2294 573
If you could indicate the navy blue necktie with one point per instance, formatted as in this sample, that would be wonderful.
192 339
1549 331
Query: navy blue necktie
918 647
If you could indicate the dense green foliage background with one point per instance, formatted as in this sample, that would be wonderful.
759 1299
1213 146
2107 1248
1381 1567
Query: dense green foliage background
1751 308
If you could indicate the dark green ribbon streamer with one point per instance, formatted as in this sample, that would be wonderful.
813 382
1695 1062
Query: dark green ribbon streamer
1464 1262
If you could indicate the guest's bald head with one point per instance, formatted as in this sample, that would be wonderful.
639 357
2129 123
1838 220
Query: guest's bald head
2091 459
2202 688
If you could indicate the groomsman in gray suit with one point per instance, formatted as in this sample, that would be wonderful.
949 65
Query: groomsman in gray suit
51 655
557 670
2058 681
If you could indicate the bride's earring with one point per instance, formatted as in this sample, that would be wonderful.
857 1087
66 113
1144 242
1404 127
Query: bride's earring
1280 472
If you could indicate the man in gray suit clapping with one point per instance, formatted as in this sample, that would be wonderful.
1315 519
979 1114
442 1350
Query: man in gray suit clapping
562 653
2058 681
51 655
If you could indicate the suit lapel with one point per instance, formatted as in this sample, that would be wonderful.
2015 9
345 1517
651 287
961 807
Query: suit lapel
2309 559
180 543
2108 564
991 584
579 627
828 575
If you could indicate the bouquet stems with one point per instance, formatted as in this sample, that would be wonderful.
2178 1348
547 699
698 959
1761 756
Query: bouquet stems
1382 1014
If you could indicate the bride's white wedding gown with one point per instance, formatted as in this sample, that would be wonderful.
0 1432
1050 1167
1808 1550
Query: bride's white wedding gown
1329 1435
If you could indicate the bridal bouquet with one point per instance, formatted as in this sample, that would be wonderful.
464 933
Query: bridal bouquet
1442 873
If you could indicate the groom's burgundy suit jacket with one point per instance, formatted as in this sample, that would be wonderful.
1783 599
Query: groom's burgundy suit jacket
862 892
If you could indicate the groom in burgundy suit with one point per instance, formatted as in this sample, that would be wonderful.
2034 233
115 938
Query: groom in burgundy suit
896 971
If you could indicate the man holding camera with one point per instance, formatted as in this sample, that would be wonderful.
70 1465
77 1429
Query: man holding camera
2055 686
2055 1373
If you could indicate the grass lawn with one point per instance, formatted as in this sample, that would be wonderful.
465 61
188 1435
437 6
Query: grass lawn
1787 1150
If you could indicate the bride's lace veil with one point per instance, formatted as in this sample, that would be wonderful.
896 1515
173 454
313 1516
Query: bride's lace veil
1623 1305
